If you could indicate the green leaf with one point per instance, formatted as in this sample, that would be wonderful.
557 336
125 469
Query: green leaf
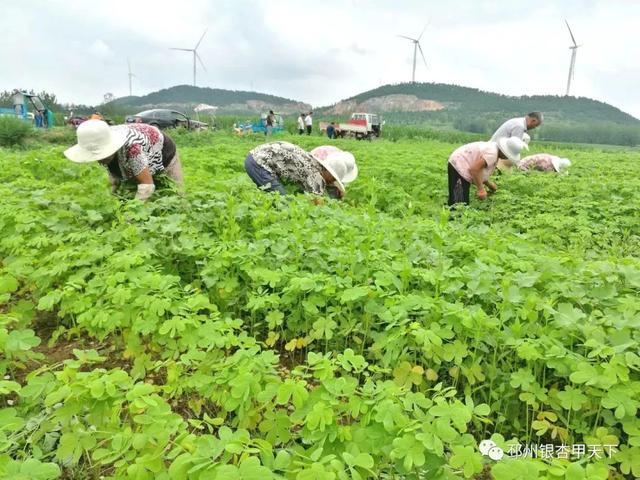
8 284
352 294
466 458
572 398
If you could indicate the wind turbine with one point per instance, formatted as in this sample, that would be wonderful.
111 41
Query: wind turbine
194 50
416 47
572 65
131 75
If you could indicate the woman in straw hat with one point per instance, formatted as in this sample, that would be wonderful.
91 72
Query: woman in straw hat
131 153
544 162
475 162
324 151
270 164
505 166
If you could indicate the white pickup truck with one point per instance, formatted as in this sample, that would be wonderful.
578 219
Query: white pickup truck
360 126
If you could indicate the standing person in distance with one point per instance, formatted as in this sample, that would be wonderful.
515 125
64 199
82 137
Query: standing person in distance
475 162
308 122
135 153
271 119
331 130
301 124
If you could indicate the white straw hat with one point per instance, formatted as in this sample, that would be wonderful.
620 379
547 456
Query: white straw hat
336 168
350 163
96 141
512 147
323 151
560 163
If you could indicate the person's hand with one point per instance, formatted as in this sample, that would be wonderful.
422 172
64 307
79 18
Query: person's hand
145 190
339 193
317 201
492 186
482 194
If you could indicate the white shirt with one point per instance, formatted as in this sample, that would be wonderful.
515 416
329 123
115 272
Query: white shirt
308 121
511 128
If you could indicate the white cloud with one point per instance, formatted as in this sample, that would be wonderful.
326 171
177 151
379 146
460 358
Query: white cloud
322 52
100 50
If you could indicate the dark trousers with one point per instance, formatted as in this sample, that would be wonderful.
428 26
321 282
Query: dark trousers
308 129
458 187
301 131
263 178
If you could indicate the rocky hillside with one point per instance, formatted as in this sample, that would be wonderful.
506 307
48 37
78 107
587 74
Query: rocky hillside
386 103
185 97
409 100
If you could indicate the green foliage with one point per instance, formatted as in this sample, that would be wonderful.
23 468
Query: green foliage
232 334
13 131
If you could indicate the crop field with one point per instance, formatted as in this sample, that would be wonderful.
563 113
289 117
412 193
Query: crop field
230 334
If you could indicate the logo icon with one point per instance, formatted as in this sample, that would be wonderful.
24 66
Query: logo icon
490 449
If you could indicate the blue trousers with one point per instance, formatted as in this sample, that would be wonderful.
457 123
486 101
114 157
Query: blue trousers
263 178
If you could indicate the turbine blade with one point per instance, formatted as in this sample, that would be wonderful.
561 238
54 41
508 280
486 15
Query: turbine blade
408 38
183 49
424 29
198 44
571 33
422 53
201 63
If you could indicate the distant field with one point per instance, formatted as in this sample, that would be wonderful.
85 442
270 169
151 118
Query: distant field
231 334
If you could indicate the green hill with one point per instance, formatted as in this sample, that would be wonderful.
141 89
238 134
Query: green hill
185 97
567 119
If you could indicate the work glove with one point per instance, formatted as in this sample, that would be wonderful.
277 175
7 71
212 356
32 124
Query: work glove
145 190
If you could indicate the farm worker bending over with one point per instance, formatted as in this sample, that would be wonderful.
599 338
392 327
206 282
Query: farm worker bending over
134 152
543 162
475 162
269 164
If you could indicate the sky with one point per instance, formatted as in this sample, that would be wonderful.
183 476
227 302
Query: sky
321 52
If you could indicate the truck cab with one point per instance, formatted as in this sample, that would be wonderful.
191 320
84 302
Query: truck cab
369 120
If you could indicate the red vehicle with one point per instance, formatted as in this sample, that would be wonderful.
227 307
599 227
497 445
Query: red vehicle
360 126
78 119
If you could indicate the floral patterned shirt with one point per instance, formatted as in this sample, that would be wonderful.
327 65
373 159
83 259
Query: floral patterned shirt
290 163
142 149
541 162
